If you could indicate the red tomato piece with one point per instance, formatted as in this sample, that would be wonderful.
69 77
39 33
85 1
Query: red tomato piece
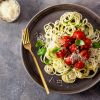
87 44
73 48
87 41
85 54
79 65
61 53
79 35
67 44
84 47
63 39
68 60
66 41
73 39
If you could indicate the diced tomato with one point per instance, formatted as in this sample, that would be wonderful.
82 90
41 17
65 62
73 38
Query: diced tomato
73 48
73 39
79 65
84 47
79 35
68 60
66 41
61 53
87 41
85 54
67 44
87 44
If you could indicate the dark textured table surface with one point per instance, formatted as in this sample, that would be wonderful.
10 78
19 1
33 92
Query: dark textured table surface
15 83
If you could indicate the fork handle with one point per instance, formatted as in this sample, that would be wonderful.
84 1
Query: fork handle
40 73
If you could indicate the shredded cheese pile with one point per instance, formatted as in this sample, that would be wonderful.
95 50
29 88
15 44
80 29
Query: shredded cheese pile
9 10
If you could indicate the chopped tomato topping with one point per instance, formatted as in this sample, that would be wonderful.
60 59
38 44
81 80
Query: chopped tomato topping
68 60
87 44
79 35
87 41
69 54
66 41
73 48
61 53
85 54
79 65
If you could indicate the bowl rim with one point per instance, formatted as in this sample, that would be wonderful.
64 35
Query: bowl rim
33 78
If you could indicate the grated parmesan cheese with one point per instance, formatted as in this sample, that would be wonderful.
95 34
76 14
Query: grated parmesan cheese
9 10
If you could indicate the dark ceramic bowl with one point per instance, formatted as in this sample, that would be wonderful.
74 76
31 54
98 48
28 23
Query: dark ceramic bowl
36 26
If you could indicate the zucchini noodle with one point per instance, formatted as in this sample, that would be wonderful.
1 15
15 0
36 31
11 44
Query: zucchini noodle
68 23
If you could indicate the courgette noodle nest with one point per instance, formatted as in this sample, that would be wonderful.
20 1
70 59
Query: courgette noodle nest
68 23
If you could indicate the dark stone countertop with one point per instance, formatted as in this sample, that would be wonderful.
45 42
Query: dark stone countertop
15 83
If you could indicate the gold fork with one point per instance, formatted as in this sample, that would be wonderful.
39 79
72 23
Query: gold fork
27 45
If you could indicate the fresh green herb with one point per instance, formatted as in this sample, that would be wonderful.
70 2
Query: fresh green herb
47 61
39 43
41 51
55 49
96 45
79 42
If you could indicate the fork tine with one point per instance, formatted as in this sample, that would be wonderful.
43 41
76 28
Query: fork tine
25 36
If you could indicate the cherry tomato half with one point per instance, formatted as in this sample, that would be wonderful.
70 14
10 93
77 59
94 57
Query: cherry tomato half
61 53
79 65
66 41
87 41
68 60
79 35
87 44
85 54
73 48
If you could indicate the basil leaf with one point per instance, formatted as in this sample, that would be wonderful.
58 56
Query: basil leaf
79 42
41 51
96 45
55 49
39 43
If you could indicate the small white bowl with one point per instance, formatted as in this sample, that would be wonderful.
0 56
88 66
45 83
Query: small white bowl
12 20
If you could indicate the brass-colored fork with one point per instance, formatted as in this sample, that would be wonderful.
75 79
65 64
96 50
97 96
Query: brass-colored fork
27 45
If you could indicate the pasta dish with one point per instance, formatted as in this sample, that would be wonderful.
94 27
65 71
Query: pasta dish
70 48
